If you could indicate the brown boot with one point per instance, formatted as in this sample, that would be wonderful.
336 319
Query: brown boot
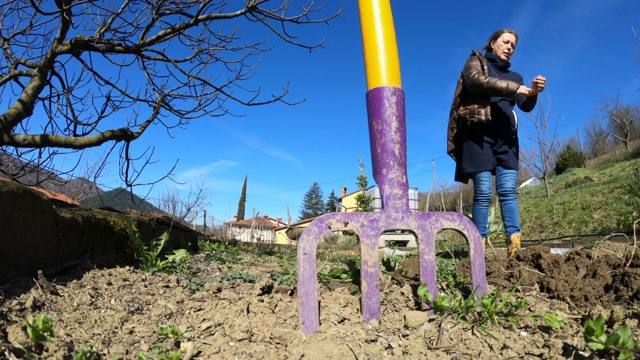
513 244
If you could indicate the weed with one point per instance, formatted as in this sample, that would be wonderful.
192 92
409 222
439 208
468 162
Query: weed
392 262
339 257
447 273
197 285
287 276
223 253
149 258
238 275
619 342
86 353
492 309
554 321
162 350
346 268
341 275
171 332
284 279
40 330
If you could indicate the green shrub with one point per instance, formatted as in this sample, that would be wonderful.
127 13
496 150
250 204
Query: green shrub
569 158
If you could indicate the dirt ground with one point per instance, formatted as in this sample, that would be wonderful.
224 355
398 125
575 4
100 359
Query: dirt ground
119 311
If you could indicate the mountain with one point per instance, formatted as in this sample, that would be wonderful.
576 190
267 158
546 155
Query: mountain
80 189
121 200
33 175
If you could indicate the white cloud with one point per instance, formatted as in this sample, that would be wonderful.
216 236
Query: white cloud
214 167
269 149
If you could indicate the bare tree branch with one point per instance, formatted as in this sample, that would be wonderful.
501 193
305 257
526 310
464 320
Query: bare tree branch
180 208
623 119
77 74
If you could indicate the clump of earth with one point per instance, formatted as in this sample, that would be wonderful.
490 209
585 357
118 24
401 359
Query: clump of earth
119 311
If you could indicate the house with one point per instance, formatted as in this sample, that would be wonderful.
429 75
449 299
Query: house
289 234
257 229
396 237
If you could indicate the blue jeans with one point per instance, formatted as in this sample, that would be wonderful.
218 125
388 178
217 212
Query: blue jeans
506 188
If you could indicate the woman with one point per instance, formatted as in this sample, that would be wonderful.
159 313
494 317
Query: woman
483 130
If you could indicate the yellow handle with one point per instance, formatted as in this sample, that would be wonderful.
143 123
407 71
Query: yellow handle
379 42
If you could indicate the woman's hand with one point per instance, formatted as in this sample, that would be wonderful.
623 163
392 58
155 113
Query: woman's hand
523 90
538 84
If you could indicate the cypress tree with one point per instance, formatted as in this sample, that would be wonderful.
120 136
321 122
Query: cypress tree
243 200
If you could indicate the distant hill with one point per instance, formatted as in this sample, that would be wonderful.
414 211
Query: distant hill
32 175
121 200
27 173
80 189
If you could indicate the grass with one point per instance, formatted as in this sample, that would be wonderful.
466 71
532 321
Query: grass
583 201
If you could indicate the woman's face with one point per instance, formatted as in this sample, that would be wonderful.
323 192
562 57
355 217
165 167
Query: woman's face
504 46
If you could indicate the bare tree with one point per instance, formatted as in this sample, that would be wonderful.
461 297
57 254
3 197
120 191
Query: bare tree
85 185
540 156
81 74
597 138
523 175
180 207
622 119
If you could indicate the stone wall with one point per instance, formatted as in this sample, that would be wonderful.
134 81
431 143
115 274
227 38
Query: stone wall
39 233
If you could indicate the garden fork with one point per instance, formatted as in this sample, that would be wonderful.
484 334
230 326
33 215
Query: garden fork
387 135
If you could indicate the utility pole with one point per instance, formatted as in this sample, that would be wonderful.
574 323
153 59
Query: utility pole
433 174
580 140
195 216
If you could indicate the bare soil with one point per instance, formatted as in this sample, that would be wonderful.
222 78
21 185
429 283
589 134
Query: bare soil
118 311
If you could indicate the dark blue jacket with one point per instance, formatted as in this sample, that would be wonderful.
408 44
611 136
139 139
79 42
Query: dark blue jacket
486 145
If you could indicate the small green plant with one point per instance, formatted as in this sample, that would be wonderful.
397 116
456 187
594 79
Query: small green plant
221 252
492 309
162 350
40 330
286 276
392 262
288 273
149 258
341 275
619 342
238 275
86 353
447 274
171 332
554 321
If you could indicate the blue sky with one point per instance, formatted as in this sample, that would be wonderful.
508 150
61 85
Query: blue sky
585 48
